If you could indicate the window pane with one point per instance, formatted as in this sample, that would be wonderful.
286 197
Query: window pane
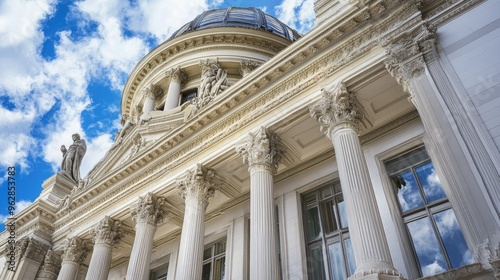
312 223
207 254
329 222
351 261
343 213
337 262
219 269
406 160
426 246
453 239
205 275
430 182
408 194
326 192
220 248
315 264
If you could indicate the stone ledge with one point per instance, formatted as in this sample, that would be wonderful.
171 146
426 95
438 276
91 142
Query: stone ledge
471 271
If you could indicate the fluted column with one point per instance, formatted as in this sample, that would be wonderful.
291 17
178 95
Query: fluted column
50 267
196 187
148 212
151 92
74 255
106 235
177 78
341 118
262 155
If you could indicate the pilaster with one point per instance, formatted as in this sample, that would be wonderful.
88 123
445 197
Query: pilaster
470 179
261 152
147 213
341 118
196 187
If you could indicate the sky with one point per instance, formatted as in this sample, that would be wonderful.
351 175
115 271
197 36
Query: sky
63 66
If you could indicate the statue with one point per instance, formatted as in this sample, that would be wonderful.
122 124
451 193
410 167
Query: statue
72 158
213 81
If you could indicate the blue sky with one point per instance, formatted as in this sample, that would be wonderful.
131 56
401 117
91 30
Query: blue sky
63 65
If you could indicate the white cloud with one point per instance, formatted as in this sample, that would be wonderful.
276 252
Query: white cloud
96 149
298 14
432 268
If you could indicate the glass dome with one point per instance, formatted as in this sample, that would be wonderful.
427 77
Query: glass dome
239 17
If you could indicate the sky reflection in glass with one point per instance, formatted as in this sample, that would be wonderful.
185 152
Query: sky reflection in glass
408 194
337 262
453 239
430 182
427 247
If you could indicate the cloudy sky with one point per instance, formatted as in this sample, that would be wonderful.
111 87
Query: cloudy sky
63 65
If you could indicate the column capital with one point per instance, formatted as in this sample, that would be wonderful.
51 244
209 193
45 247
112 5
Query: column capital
199 183
51 262
149 209
31 249
407 57
248 66
338 108
262 149
153 91
108 231
76 250
177 74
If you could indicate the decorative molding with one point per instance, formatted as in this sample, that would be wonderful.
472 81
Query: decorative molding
337 108
76 250
199 184
153 91
261 149
108 231
458 273
51 263
248 66
149 209
177 74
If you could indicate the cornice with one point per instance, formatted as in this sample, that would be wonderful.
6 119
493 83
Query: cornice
449 10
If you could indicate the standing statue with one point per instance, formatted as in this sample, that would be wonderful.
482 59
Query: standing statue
72 158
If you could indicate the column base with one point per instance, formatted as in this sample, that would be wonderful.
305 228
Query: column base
377 275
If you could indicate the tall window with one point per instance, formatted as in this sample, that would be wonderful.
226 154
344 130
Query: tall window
159 273
437 239
214 261
329 249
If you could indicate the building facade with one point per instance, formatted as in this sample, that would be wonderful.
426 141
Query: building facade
368 148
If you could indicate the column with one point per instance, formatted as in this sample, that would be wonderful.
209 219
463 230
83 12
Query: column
74 255
50 267
106 235
470 179
151 92
30 257
262 155
196 187
147 213
177 78
341 118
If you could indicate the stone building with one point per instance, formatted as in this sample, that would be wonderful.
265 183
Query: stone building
368 148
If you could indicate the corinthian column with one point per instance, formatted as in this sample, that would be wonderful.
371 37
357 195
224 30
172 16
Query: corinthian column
50 266
107 234
147 213
74 255
30 258
262 155
177 78
196 187
152 92
340 117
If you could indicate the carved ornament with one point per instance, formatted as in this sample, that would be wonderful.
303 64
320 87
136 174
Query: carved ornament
76 250
338 108
149 209
198 184
109 231
177 75
51 262
261 148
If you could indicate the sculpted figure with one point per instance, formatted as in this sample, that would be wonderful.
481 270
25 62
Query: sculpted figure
213 81
72 158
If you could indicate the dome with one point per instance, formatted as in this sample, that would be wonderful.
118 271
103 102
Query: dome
239 17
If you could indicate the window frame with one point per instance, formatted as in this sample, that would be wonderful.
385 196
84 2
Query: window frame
325 239
214 257
427 210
